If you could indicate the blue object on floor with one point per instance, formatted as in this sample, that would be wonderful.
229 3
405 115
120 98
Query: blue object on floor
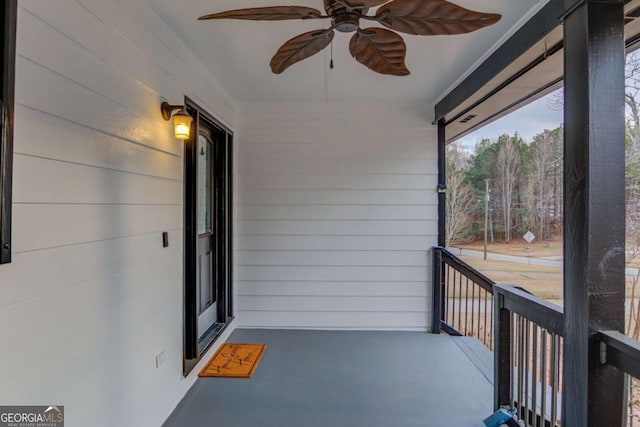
500 417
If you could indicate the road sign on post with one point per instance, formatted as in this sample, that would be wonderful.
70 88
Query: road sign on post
529 237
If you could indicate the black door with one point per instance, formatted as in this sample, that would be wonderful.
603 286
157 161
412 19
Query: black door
208 233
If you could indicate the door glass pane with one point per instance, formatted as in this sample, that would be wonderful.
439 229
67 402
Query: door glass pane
205 176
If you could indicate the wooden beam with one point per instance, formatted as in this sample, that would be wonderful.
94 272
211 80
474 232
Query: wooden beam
531 32
594 221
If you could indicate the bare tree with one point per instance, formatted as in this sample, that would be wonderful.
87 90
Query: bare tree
507 166
460 201
632 300
542 191
632 190
555 100
460 197
632 184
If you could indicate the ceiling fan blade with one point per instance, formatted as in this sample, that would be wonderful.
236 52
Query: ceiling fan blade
381 50
299 48
364 3
275 13
432 17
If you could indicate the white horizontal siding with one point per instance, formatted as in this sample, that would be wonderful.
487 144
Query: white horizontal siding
337 214
65 265
320 288
311 182
59 181
353 320
338 166
339 228
91 296
333 258
335 243
42 226
342 148
312 212
329 273
338 197
75 143
331 304
64 97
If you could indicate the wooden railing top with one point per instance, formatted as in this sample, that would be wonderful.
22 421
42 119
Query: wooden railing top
545 314
467 270
622 351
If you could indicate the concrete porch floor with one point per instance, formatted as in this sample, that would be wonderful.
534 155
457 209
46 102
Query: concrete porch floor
336 378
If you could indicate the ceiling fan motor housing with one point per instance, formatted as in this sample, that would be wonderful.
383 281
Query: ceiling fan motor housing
346 22
345 19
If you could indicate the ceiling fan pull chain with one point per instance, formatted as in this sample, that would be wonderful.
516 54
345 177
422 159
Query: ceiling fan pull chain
331 62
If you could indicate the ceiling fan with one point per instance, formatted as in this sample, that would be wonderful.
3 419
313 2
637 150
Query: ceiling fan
381 50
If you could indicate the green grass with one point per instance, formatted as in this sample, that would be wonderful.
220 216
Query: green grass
545 282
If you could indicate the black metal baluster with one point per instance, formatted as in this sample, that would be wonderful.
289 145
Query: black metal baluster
460 303
534 376
525 403
466 307
473 310
543 362
485 325
520 362
554 379
514 354
491 324
447 293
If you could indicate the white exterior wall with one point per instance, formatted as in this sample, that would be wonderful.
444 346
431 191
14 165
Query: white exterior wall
92 296
337 206
337 213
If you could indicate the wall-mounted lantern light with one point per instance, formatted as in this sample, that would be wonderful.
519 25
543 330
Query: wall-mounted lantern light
181 119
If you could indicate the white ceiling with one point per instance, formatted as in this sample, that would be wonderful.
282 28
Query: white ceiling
238 53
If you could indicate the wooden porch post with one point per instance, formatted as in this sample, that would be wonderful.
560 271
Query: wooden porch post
594 220
438 295
442 184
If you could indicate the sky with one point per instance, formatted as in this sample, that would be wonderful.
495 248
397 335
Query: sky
527 121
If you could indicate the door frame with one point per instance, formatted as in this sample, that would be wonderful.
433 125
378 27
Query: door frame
222 228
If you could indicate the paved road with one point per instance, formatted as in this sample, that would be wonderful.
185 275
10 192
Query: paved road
519 259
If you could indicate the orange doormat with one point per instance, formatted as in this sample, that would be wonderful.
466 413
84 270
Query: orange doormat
234 361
